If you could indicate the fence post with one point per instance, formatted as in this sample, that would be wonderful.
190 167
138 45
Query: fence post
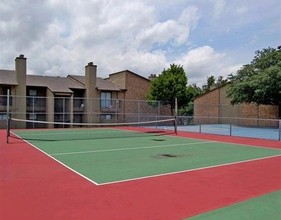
279 129
176 115
8 116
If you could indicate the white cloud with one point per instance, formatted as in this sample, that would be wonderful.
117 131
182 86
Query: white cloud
218 7
115 37
159 33
205 61
139 61
176 31
60 37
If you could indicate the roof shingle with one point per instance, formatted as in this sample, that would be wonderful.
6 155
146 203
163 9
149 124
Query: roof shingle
56 84
8 77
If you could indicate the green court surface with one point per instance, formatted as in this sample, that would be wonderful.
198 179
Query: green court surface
264 207
111 155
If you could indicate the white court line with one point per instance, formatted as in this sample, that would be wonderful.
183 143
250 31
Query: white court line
132 148
57 160
186 171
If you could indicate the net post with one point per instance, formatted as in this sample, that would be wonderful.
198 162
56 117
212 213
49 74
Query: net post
8 128
176 116
8 116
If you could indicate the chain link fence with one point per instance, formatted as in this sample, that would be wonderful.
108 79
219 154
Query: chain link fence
80 110
250 121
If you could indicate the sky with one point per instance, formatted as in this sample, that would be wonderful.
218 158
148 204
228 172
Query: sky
205 37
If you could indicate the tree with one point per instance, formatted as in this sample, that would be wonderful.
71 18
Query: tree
212 81
192 92
260 81
221 81
170 84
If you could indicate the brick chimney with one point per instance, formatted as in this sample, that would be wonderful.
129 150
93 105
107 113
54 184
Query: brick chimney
90 80
20 89
91 92
20 65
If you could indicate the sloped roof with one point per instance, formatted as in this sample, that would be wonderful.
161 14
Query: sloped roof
55 84
106 85
101 84
8 77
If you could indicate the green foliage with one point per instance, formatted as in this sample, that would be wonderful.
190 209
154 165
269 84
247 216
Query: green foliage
187 110
260 81
170 84
212 81
192 92
221 81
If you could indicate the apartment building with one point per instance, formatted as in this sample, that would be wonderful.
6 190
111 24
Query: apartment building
75 98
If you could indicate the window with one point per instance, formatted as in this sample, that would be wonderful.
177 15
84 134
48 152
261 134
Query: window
106 100
3 96
106 117
31 100
32 116
3 116
3 101
32 92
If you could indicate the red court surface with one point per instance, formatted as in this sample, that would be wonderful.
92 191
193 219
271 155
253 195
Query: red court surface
33 186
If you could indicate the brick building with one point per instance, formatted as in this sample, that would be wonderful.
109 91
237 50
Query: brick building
75 98
214 107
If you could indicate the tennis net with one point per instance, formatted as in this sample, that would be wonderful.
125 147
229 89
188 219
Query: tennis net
60 131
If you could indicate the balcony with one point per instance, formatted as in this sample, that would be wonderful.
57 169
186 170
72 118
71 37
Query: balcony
36 104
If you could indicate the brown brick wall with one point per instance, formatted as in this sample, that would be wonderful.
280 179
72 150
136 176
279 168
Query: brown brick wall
216 104
262 115
268 111
118 79
137 87
207 105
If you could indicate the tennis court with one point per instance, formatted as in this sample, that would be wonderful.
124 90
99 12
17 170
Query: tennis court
135 155
137 173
